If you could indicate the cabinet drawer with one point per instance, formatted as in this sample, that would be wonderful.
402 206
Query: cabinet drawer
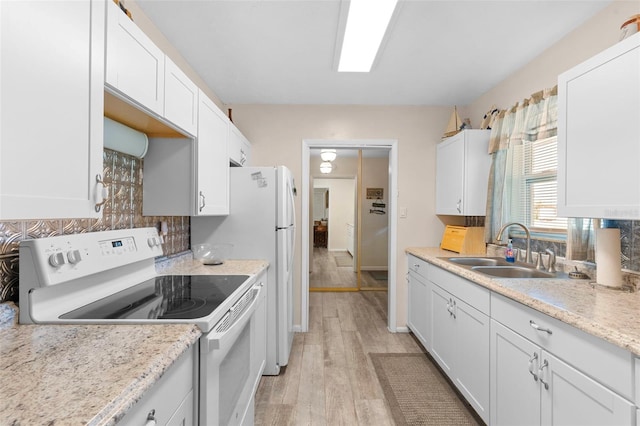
473 294
417 265
606 363
168 396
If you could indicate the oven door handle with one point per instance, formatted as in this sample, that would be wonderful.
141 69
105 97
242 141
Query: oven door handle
216 341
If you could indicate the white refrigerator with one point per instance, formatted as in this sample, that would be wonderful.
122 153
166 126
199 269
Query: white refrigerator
261 225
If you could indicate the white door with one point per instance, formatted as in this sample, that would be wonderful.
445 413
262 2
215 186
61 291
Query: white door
284 290
135 65
212 159
472 356
515 388
52 85
571 398
419 318
443 328
450 175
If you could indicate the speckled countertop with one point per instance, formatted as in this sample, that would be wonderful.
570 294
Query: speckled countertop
91 374
610 314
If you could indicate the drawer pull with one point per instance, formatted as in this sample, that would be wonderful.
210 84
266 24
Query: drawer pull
533 358
538 328
151 418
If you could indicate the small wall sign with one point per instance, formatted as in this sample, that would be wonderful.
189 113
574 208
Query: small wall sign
375 193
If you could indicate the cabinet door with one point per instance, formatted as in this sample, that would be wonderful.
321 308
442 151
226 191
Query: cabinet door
52 85
180 98
212 160
135 65
472 356
418 321
450 175
572 398
239 147
442 329
515 389
598 107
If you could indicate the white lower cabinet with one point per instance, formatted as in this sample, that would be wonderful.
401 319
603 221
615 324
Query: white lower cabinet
171 400
419 292
515 365
460 335
531 386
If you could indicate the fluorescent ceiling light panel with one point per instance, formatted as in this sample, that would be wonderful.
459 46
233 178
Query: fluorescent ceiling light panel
367 22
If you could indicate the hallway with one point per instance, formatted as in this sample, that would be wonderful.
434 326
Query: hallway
330 378
333 270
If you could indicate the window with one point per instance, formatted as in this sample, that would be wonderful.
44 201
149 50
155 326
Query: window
534 186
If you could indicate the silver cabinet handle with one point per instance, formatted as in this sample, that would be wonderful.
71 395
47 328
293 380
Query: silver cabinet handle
458 205
151 418
531 360
416 265
202 204
544 364
102 193
538 328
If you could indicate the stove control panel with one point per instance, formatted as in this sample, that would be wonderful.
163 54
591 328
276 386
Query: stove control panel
64 258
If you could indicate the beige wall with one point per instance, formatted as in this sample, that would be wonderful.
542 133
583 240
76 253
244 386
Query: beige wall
277 131
597 34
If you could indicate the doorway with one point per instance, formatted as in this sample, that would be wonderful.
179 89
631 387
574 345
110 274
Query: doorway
379 206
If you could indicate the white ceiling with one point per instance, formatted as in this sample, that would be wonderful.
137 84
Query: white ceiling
435 52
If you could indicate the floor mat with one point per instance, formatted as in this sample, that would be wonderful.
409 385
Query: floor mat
417 392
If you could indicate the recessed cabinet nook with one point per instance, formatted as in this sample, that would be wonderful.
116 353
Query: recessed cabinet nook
462 171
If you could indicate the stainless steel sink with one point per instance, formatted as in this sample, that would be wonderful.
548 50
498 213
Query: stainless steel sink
478 261
512 272
498 267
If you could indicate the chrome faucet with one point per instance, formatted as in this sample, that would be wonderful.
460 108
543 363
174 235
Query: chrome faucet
529 258
552 261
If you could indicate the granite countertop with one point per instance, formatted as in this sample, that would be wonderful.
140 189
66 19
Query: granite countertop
91 374
606 313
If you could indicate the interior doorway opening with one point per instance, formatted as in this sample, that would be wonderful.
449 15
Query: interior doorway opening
363 247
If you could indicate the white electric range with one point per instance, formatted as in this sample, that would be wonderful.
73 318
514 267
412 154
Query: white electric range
110 277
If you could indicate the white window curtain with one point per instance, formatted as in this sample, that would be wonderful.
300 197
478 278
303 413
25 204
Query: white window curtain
522 182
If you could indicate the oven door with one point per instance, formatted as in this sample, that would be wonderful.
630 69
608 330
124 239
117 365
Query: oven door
226 373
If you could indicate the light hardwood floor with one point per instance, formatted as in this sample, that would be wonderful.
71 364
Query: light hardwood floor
326 274
330 379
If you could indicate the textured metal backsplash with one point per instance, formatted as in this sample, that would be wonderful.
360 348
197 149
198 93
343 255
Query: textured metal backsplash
123 210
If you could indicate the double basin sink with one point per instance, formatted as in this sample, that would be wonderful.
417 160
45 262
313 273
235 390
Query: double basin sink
498 267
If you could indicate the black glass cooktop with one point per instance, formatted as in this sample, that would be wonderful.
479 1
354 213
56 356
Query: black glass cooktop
163 297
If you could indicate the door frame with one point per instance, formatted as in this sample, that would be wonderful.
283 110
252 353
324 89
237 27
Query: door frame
392 145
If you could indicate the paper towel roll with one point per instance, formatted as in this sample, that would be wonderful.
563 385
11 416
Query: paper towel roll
608 264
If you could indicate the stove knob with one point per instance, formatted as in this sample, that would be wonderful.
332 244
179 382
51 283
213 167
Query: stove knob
57 259
73 256
151 241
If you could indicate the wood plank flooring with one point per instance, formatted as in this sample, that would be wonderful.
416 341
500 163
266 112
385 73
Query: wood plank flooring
330 379
326 274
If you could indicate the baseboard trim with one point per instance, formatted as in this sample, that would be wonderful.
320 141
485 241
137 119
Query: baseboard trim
402 330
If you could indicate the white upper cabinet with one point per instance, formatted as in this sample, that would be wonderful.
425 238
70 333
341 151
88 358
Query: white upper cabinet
135 65
52 86
189 177
239 147
599 135
462 174
180 98
212 159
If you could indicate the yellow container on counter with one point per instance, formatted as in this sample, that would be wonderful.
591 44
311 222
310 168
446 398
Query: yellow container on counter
463 239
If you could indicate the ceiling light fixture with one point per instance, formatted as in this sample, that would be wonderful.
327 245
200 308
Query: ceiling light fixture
367 22
326 167
328 154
